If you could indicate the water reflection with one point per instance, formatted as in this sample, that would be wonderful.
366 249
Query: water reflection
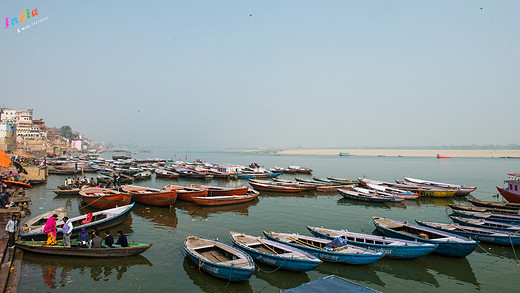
58 271
367 205
506 252
406 270
456 268
280 278
210 284
204 212
163 216
351 272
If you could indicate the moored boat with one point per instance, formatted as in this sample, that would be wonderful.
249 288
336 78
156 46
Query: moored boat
166 174
487 224
495 204
391 247
218 259
448 244
462 190
275 188
325 249
223 191
220 200
104 198
484 209
509 219
72 191
143 175
274 253
40 220
151 196
75 250
512 192
439 156
186 193
352 194
480 234
100 220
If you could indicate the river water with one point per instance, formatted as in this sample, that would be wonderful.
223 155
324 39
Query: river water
164 266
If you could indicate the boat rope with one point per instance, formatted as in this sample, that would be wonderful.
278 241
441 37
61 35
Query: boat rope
82 207
229 279
513 247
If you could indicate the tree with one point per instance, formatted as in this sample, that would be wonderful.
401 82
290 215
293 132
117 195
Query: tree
67 133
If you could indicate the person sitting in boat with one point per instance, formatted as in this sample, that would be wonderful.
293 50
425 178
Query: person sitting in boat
83 238
96 241
122 241
109 240
50 230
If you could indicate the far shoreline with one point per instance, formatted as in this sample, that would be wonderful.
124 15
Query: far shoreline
393 153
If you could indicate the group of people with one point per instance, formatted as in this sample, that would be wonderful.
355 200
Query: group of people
50 229
81 182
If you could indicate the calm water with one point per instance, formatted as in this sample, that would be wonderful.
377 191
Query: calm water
164 267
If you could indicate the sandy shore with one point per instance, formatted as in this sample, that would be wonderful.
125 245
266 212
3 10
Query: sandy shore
403 153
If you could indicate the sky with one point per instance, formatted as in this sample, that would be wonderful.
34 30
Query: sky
238 74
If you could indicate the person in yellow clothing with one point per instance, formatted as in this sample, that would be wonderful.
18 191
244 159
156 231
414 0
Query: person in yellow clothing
50 230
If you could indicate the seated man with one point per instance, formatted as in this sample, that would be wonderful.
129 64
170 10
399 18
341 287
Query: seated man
121 241
96 241
4 199
109 240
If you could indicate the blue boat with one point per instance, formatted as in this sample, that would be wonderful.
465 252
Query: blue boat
327 251
508 219
483 235
391 247
331 284
100 220
449 244
257 175
274 253
219 260
486 224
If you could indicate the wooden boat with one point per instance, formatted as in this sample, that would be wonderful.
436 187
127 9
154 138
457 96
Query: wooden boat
439 156
391 247
100 220
219 260
72 191
288 183
16 183
509 219
223 191
351 194
487 224
345 154
423 190
275 254
75 250
448 244
373 192
330 188
254 175
331 283
186 193
406 194
512 192
484 209
40 220
121 155
480 234
151 196
495 204
462 190
166 174
104 198
349 181
143 175
275 188
326 180
221 200
322 249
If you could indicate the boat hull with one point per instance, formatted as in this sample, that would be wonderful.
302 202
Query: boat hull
159 199
223 200
107 201
39 247
508 195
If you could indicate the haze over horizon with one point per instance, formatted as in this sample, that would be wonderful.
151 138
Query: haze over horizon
237 74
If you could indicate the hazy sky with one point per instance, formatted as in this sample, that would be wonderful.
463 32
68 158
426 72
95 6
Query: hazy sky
217 74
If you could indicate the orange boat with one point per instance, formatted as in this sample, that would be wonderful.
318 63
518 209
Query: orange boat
226 199
439 156
223 191
151 196
186 193
104 198
16 183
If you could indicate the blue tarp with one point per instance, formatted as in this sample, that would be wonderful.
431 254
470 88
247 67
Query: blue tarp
330 284
337 242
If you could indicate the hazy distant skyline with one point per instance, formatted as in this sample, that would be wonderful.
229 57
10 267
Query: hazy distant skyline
231 74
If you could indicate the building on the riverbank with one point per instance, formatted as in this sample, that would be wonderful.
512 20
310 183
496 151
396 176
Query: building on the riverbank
7 137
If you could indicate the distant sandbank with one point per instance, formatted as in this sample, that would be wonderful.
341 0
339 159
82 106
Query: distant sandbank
397 153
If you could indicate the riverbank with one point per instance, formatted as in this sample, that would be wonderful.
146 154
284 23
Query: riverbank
396 153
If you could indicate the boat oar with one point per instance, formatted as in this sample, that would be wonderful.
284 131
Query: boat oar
304 243
267 246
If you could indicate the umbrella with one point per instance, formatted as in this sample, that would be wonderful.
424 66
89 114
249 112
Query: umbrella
25 155
4 160
19 167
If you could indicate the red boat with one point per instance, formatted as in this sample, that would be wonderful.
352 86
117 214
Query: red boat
225 200
275 188
104 198
223 191
443 156
186 193
512 192
151 196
